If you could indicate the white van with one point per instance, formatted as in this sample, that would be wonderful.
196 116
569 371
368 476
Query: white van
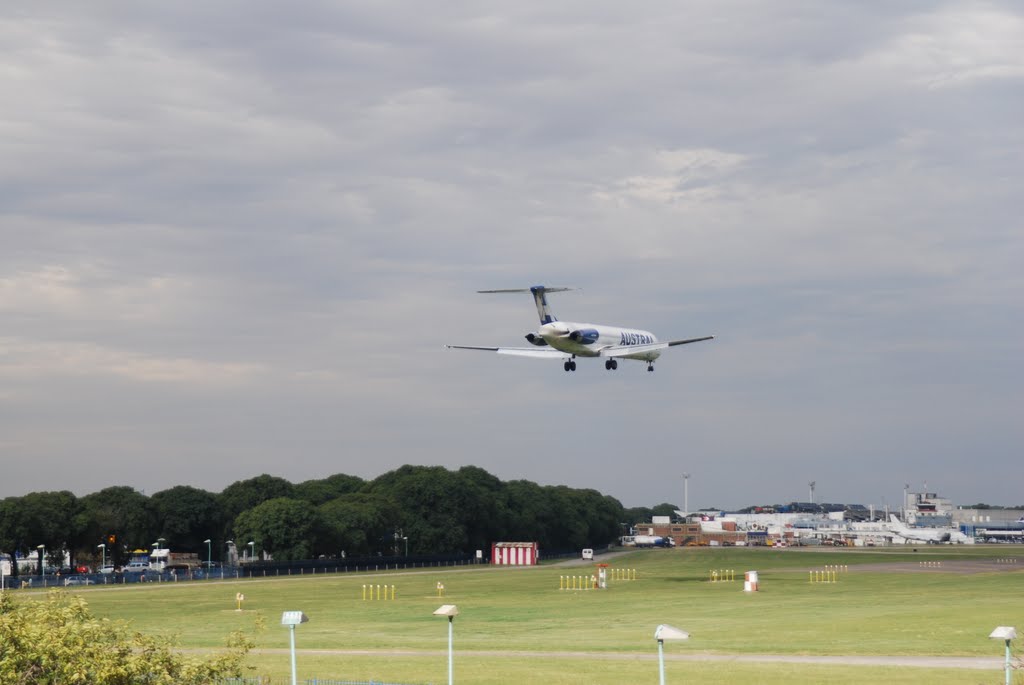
588 554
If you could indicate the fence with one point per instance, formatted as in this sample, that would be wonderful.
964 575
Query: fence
257 569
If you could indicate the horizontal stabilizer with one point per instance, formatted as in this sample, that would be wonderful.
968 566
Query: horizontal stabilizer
545 288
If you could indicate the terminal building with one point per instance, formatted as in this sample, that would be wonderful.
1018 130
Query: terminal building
924 518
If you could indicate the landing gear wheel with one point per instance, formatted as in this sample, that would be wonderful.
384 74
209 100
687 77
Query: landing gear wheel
567 366
650 366
615 364
572 365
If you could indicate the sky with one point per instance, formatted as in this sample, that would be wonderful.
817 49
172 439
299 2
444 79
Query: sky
236 237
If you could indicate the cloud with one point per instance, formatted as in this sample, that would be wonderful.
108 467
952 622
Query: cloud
236 237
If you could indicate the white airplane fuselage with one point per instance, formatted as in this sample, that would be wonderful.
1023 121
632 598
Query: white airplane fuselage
586 339
566 340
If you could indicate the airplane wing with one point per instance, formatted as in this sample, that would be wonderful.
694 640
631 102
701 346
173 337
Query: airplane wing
626 350
517 351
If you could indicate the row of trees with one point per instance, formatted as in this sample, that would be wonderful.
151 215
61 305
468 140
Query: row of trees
425 509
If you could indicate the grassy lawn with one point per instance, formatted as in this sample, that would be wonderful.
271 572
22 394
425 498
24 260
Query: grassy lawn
871 610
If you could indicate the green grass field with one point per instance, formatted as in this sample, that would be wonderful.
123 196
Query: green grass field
516 625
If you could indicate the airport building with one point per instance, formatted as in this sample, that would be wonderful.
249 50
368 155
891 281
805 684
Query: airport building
925 518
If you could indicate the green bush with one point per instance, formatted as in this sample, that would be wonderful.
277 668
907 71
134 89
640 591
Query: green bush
57 641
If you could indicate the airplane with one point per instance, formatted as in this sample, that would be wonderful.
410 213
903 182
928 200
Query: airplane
567 340
931 535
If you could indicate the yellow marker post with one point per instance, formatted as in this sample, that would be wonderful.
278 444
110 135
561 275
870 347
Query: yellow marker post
239 598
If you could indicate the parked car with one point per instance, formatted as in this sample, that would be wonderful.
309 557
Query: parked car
78 580
108 569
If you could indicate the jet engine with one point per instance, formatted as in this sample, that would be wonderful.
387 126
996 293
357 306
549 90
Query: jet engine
586 336
535 339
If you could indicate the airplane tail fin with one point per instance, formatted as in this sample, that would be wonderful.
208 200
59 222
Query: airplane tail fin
539 298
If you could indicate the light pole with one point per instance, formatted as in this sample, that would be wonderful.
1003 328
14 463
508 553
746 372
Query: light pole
209 554
686 494
103 546
1005 633
662 633
42 559
451 611
252 550
406 538
292 619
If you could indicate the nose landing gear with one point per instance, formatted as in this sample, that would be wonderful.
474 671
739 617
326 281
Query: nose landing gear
650 366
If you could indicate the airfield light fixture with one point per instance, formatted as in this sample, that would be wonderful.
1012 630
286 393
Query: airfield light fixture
451 611
1006 633
686 494
292 619
662 633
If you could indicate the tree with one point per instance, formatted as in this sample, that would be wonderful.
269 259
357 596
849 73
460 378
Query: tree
246 494
13 531
121 512
635 515
318 492
286 528
49 520
57 641
665 509
430 507
357 523
185 516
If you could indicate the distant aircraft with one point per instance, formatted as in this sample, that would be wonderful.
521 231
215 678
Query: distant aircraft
932 535
567 340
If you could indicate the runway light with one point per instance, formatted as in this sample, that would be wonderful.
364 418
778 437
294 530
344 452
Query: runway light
1006 633
292 619
662 633
451 611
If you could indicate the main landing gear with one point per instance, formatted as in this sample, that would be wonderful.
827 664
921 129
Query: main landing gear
570 365
611 364
650 366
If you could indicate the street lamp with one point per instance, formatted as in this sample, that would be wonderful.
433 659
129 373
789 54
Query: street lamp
406 538
1005 633
662 633
686 495
292 619
209 554
103 546
252 550
451 611
42 559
